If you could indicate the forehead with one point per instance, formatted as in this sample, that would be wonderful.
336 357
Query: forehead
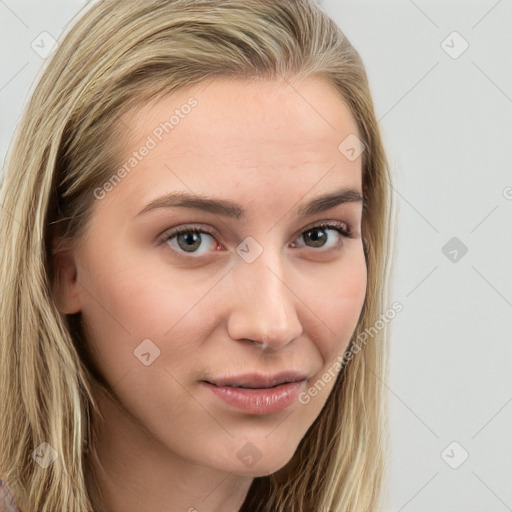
238 135
249 109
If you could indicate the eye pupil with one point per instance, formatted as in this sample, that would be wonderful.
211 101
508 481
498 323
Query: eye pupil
318 240
189 238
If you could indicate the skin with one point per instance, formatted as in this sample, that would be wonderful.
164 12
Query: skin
271 147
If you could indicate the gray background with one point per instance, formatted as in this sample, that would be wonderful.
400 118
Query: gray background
447 125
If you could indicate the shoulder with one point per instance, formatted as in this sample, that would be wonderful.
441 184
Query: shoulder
7 503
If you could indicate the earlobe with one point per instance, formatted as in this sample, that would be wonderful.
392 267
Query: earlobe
65 286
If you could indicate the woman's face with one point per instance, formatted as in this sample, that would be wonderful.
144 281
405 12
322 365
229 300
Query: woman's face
256 296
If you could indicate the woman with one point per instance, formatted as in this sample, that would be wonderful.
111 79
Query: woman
195 232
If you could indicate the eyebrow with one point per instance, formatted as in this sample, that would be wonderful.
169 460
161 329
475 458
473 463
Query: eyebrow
234 210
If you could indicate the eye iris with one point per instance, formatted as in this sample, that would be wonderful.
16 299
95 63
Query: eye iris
318 240
189 238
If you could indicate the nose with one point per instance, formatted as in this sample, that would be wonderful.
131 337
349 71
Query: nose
263 306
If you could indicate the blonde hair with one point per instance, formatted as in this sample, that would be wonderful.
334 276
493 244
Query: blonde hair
117 56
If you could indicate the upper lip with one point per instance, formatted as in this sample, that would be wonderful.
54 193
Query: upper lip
258 381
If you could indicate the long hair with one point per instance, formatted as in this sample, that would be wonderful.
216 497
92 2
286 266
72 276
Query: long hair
117 56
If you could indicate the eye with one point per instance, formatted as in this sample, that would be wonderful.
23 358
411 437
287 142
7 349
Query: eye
318 236
190 240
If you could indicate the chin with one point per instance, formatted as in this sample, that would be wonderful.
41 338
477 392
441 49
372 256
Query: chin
257 463
259 470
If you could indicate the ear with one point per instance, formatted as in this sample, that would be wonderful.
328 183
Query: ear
65 285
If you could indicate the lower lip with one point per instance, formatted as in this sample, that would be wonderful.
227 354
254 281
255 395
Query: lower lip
258 401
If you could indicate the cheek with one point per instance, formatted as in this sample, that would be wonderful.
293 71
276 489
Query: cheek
127 303
338 302
127 291
340 308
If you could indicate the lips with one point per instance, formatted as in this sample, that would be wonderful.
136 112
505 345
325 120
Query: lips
258 381
258 394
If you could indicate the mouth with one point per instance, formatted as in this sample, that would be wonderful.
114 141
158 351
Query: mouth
258 381
258 394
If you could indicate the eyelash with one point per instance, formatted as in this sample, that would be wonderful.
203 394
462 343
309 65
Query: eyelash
341 227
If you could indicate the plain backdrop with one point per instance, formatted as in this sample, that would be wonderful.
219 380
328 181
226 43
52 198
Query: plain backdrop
441 78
